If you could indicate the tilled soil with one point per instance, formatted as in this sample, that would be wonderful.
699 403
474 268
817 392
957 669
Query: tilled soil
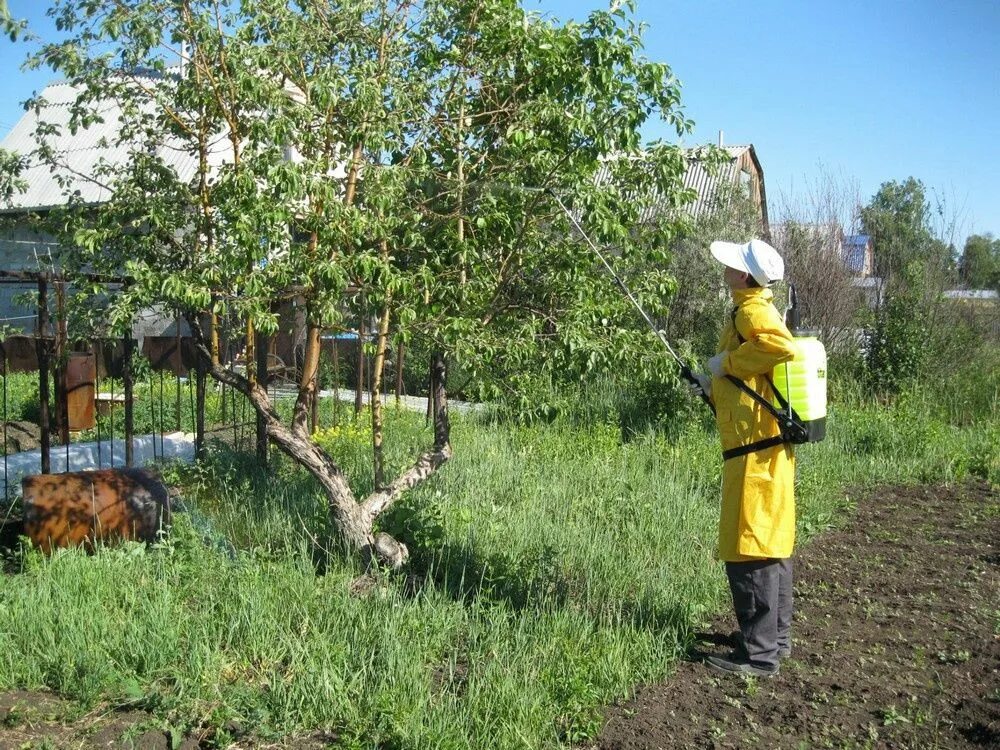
896 642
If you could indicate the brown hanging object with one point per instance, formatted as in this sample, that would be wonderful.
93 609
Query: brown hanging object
81 374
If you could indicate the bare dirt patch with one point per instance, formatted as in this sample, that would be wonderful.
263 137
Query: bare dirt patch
896 642
33 720
39 721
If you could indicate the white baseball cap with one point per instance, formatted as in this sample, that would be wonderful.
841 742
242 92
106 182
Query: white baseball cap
755 257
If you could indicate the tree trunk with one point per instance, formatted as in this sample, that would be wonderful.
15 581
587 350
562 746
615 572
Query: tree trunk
309 380
376 398
353 520
442 427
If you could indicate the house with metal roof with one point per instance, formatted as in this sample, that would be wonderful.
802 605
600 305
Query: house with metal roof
858 254
83 155
713 184
741 169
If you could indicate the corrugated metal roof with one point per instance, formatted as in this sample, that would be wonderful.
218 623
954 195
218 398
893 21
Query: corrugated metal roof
697 177
81 153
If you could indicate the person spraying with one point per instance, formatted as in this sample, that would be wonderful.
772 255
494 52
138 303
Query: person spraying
757 518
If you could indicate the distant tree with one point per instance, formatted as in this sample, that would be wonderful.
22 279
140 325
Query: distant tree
980 264
899 220
909 333
808 229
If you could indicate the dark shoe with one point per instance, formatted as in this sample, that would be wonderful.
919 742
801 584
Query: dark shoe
740 666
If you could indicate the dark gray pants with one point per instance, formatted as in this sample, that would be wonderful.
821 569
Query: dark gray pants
762 598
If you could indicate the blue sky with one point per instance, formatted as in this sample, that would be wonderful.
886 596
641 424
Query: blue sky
867 91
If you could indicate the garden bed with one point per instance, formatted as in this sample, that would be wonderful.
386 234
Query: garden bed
896 642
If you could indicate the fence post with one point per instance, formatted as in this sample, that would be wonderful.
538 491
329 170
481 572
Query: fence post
42 349
59 371
260 350
127 385
360 384
177 370
399 371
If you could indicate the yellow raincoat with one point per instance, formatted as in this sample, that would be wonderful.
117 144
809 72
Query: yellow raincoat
758 500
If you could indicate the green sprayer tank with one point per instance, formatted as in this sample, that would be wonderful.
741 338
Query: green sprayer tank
802 382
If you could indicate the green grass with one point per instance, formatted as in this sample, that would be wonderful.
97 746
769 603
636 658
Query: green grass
554 568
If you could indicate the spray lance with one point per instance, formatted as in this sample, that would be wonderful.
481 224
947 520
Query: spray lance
685 370
799 386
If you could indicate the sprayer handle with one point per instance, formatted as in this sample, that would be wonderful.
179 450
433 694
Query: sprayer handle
688 375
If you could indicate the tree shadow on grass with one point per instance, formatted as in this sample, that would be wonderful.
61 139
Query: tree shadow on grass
541 581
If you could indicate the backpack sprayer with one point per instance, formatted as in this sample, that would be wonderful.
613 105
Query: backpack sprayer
799 386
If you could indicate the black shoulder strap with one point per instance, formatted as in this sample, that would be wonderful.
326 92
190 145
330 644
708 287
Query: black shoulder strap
788 421
743 386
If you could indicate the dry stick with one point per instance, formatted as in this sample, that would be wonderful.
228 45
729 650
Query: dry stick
399 372
360 383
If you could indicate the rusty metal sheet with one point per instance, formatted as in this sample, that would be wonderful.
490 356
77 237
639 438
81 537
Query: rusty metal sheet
83 507
81 372
21 354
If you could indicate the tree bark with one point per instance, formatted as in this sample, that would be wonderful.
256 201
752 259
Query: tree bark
309 380
376 398
442 427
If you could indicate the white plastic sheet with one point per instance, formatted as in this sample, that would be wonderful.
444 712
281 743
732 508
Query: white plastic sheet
82 456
